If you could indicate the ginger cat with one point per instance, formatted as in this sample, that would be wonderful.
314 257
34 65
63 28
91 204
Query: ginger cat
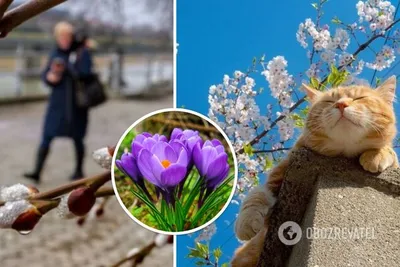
353 121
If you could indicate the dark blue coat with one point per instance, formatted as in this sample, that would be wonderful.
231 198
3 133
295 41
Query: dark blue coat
63 116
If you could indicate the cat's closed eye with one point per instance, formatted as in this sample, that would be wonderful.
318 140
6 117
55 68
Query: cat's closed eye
359 98
329 101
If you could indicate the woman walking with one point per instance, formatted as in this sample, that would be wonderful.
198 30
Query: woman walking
64 118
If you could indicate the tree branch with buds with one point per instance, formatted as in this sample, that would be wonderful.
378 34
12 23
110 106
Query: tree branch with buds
21 206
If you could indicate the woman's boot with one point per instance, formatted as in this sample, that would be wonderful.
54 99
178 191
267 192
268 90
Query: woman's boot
40 160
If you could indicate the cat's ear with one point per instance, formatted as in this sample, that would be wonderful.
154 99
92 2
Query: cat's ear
311 93
387 89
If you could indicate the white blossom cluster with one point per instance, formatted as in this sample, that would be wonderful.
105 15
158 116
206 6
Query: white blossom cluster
280 81
383 59
233 106
320 37
207 233
378 14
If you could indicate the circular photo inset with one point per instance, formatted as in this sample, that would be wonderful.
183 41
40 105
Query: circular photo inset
174 171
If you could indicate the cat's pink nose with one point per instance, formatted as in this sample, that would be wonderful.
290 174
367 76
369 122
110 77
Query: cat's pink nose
341 106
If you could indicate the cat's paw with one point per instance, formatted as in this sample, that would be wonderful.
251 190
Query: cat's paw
251 218
378 160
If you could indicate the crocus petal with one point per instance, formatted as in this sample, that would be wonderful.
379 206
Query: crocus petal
183 157
128 165
208 154
208 143
198 159
149 143
157 167
190 133
136 147
141 137
216 181
217 166
220 149
176 133
145 164
177 145
170 154
158 137
191 142
173 175
159 150
216 142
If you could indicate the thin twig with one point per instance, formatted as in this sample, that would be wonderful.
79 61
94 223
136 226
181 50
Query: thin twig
272 150
61 190
139 256
105 192
173 123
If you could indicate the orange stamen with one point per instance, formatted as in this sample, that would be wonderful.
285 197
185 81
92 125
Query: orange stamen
165 163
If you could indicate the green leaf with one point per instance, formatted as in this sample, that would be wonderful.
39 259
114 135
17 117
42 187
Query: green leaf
314 82
179 217
268 164
378 81
334 70
201 263
335 20
305 111
216 198
203 248
248 149
194 253
298 120
192 196
156 214
314 5
331 78
217 254
225 264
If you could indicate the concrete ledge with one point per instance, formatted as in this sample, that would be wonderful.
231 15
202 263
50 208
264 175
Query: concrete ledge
325 193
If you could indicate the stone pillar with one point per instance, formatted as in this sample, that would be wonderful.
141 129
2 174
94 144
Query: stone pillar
323 194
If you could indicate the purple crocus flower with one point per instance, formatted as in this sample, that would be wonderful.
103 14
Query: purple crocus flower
189 138
211 161
164 165
145 140
127 164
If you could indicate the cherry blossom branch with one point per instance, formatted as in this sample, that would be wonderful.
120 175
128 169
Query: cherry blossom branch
361 48
22 13
272 150
319 16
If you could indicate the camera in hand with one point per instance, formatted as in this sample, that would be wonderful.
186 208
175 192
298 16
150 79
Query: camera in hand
79 40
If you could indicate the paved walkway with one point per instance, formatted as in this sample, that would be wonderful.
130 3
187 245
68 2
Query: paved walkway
57 242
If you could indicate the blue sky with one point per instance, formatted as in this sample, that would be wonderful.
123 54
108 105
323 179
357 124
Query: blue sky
219 37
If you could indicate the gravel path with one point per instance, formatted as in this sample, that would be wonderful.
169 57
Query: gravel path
57 242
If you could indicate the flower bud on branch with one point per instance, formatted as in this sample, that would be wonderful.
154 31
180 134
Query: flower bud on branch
17 192
103 157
